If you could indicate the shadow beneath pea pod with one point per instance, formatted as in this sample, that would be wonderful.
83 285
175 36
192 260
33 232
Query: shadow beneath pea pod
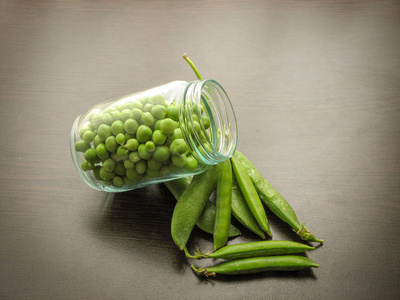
139 222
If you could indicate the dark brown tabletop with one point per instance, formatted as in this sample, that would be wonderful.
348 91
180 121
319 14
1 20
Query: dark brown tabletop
315 87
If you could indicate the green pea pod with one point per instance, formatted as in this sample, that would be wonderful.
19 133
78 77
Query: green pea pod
207 218
241 211
258 264
223 205
191 204
255 249
250 195
274 200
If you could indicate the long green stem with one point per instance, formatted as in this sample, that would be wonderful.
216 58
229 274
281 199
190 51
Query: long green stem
192 65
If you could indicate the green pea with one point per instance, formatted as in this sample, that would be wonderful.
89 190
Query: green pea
206 122
117 127
178 147
130 126
173 112
144 134
136 105
111 144
197 126
107 118
157 125
159 111
133 175
128 164
161 153
97 141
147 107
134 156
117 181
147 119
116 115
97 119
141 167
96 172
143 153
119 106
144 100
177 134
168 126
91 155
109 109
164 170
120 169
105 174
104 131
153 165
202 137
120 139
126 114
150 174
159 138
132 144
129 136
191 163
81 146
83 129
106 182
102 152
150 146
123 152
157 99
128 182
86 166
115 157
88 136
179 161
109 165
137 114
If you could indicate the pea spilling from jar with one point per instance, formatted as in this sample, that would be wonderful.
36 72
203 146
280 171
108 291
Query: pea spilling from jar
168 132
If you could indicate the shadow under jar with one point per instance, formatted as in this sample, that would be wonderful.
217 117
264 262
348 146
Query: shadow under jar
164 133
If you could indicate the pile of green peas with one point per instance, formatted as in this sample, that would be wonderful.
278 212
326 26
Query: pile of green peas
133 141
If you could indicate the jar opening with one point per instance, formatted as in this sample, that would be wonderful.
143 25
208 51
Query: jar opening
209 122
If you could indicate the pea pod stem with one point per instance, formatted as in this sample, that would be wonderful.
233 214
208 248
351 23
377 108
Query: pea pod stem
250 194
257 264
274 200
192 65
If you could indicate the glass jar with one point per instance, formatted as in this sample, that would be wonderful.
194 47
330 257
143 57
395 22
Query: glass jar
164 133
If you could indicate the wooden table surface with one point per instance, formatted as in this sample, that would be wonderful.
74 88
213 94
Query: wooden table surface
315 87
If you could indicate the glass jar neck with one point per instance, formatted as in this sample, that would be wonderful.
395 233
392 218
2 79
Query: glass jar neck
208 121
